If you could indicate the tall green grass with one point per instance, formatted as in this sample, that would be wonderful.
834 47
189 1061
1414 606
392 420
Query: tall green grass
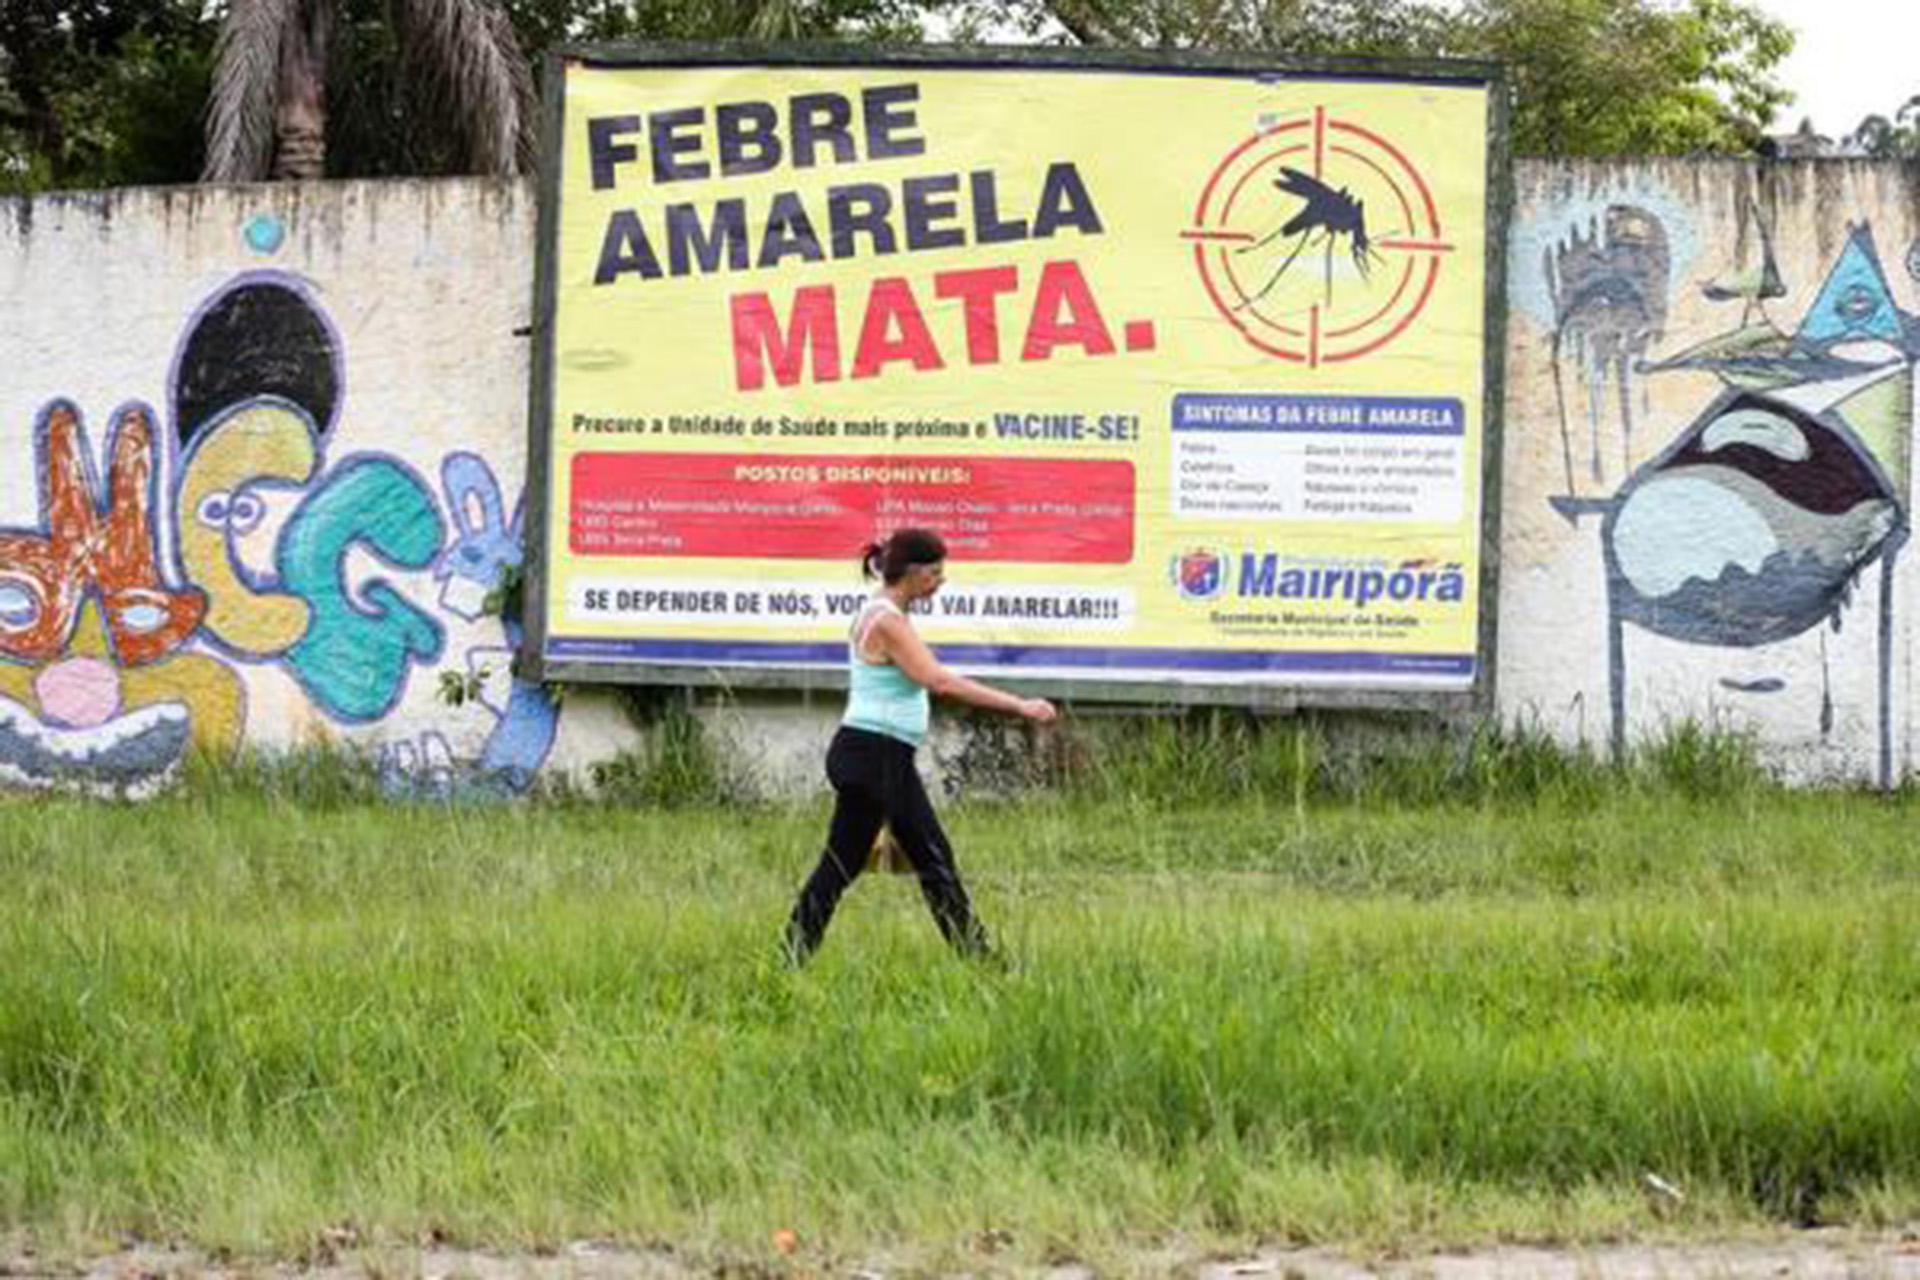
1183 1062
1256 991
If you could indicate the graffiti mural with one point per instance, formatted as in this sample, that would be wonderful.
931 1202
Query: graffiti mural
356 654
268 478
1609 291
257 389
484 556
1596 271
1752 284
478 565
239 541
1757 521
97 692
221 532
304 519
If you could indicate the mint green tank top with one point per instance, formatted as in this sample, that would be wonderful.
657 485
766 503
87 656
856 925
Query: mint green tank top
881 698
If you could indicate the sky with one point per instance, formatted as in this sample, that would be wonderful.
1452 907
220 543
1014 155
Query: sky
1852 58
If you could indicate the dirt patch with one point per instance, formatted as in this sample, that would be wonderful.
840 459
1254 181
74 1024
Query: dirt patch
1807 1256
1818 1258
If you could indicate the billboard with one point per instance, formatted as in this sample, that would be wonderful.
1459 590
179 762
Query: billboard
1190 365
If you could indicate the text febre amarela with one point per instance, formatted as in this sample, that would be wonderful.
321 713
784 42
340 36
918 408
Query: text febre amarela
921 213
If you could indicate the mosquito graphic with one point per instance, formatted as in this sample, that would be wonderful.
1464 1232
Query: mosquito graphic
1331 212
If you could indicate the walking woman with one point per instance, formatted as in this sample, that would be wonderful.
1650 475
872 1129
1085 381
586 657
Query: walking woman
870 764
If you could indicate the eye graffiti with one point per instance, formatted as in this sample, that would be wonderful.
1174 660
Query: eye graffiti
248 452
1758 521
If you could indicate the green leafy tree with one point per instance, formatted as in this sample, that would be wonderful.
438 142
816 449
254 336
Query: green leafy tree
101 92
1374 27
1597 77
1892 138
105 92
1589 76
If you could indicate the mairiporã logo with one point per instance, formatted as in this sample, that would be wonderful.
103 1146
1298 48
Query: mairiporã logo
1200 574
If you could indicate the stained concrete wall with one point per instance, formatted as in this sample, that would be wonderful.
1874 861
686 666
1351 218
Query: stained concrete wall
1707 464
270 450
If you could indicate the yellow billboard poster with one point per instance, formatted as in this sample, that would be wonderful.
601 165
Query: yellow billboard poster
1188 364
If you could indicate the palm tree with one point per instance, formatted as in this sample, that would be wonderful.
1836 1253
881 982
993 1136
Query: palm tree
268 113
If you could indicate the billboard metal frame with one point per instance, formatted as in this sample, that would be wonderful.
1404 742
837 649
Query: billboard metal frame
1277 697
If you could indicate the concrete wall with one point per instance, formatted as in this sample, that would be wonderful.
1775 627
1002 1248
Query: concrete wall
277 444
1708 473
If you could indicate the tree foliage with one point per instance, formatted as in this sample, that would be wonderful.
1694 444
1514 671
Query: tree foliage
1890 137
545 23
107 92
101 92
446 86
442 83
1589 76
1600 77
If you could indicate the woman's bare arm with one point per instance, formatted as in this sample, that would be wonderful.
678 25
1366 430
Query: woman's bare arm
902 645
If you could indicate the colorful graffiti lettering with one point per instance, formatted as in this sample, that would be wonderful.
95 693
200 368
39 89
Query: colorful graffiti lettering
353 659
222 506
257 387
484 551
274 542
96 693
529 718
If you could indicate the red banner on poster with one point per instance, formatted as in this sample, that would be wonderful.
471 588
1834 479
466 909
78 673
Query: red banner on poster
825 506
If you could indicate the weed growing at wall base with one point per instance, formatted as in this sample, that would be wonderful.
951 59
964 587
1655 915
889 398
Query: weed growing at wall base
676 763
1210 757
1173 760
321 775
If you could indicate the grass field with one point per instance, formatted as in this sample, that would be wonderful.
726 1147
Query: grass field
1441 999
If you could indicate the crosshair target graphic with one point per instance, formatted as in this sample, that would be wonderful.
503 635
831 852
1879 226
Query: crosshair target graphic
1318 240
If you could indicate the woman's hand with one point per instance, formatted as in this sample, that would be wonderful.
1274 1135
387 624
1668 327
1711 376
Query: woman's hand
1038 710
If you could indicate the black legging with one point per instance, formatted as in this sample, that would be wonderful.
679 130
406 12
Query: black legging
875 782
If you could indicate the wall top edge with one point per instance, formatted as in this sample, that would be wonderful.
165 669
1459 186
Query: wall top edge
349 189
332 189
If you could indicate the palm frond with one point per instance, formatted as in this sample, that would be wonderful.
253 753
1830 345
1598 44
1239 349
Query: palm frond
464 57
775 20
246 89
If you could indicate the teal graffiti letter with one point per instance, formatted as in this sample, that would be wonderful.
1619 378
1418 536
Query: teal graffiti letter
353 659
